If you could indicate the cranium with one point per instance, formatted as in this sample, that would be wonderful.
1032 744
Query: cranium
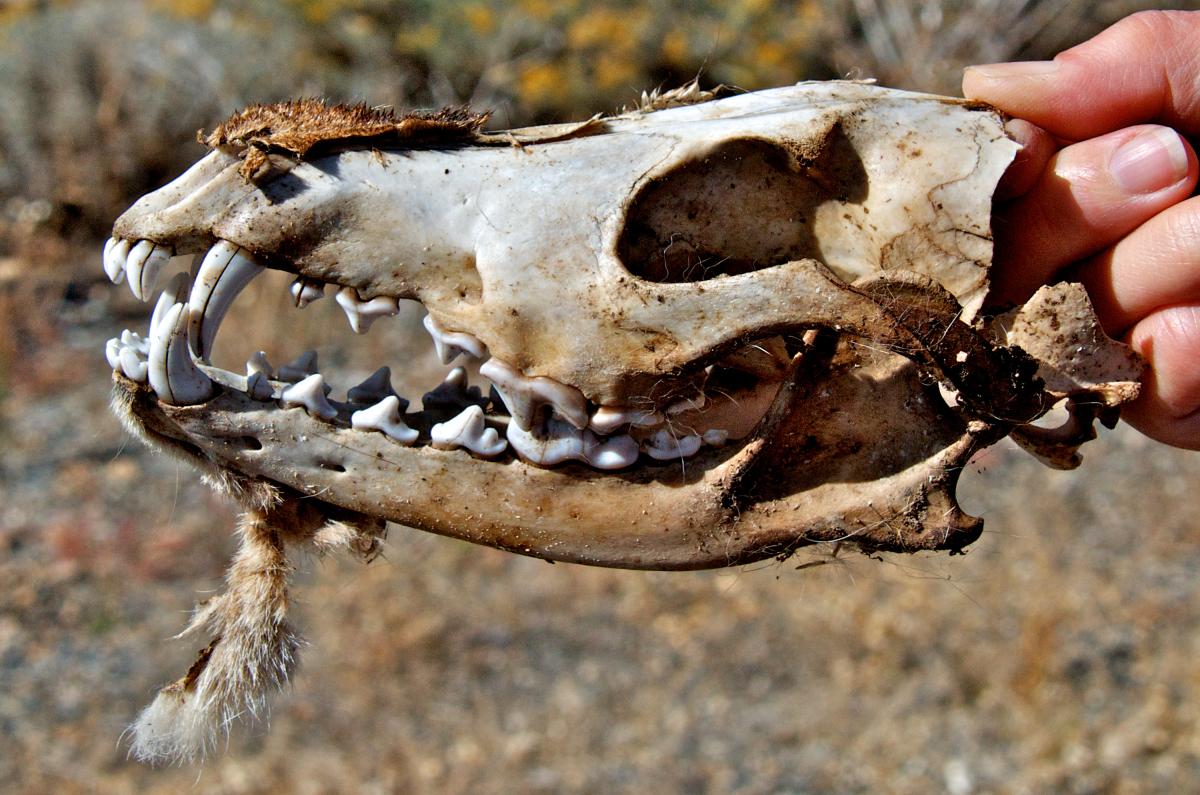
717 331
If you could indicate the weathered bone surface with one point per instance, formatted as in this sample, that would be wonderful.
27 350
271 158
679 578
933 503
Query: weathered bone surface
715 333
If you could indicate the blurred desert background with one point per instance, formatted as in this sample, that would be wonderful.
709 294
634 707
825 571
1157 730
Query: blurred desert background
1062 654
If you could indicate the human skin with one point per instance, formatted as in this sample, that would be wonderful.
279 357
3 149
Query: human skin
1104 193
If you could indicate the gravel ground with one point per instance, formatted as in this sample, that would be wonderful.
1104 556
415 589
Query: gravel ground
1057 656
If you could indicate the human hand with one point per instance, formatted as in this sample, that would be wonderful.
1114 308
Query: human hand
1114 206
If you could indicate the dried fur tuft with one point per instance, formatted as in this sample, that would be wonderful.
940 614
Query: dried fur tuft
297 126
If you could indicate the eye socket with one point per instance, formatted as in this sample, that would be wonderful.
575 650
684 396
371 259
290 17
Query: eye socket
747 205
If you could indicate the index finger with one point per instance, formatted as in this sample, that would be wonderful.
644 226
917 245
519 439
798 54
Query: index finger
1145 68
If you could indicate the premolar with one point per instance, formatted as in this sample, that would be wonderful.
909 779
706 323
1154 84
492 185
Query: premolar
449 344
468 429
556 442
362 314
384 416
309 394
454 393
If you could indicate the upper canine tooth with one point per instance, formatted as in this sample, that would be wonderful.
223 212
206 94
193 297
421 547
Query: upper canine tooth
376 387
524 396
115 252
305 291
301 367
225 271
145 262
468 430
310 395
362 314
384 416
454 393
607 419
662 445
449 344
174 377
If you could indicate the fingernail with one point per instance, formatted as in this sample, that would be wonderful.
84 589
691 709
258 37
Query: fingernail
1153 160
1000 71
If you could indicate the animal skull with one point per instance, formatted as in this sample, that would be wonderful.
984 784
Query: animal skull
716 332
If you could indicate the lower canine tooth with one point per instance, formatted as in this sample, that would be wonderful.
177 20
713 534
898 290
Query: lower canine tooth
524 396
468 430
384 416
174 377
224 273
115 252
362 314
145 262
309 394
449 344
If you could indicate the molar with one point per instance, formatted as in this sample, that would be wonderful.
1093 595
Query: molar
524 396
384 416
309 394
663 445
607 419
362 314
468 430
558 441
449 344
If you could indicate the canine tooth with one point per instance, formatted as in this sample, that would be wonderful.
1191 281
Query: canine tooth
112 352
715 437
224 273
132 365
468 430
144 264
175 292
305 291
299 368
524 396
115 252
449 344
384 416
607 419
663 445
376 387
362 314
454 393
173 375
309 394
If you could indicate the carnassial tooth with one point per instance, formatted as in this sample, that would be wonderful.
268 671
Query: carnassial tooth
173 375
175 292
145 262
115 252
454 393
384 416
133 365
524 396
607 419
362 314
299 368
663 445
309 394
305 291
449 344
468 430
376 387
224 273
557 441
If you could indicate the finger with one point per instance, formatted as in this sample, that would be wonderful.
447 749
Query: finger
1037 147
1158 264
1090 196
1169 407
1142 69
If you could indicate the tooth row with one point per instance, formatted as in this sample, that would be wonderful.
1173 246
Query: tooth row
376 387
468 430
526 396
362 314
450 344
128 354
299 368
141 261
558 441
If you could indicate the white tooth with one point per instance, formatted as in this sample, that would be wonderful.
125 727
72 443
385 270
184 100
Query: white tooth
258 386
115 252
131 339
558 441
607 419
225 271
305 291
175 292
384 416
525 396
133 366
173 375
614 452
301 367
687 404
468 430
376 387
453 393
112 351
144 264
663 446
362 314
258 364
449 344
715 437
310 395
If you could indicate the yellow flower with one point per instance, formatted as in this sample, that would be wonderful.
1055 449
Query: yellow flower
542 84
480 17
675 48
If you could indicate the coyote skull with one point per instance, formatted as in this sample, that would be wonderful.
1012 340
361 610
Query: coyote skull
716 331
